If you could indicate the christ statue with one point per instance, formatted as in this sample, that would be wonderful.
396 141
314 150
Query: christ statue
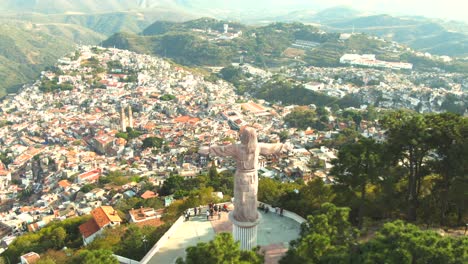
246 178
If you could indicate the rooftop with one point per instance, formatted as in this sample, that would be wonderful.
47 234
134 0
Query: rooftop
104 215
31 257
88 228
149 194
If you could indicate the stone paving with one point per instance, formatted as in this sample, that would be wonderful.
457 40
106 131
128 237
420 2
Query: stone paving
274 234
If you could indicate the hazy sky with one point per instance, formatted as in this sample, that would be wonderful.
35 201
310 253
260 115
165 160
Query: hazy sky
451 9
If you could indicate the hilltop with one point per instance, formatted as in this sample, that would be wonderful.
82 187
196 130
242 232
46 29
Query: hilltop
26 49
204 42
426 34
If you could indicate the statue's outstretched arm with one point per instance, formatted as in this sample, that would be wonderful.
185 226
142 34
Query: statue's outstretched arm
273 149
221 151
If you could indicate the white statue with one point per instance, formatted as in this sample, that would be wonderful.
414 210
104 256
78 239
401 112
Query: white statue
246 177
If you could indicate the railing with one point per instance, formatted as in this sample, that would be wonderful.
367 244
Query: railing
286 213
162 240
125 260
179 222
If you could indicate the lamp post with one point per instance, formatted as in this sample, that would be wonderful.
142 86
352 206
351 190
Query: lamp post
144 242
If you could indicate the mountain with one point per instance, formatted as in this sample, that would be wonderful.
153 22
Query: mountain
204 23
308 15
26 49
419 33
335 13
430 35
83 6
239 9
104 23
26 24
201 42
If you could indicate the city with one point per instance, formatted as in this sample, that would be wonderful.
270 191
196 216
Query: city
102 161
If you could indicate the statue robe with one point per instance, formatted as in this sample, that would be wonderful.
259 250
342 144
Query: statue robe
246 176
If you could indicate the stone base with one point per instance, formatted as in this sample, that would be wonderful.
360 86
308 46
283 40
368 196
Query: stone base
245 232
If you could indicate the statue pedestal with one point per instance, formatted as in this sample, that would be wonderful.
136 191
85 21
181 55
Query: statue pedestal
245 232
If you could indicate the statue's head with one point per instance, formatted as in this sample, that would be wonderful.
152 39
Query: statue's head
248 137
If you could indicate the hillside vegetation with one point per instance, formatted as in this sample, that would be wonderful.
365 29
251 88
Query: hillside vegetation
199 42
422 34
426 34
189 43
104 23
26 49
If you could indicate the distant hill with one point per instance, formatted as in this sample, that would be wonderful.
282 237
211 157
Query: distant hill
26 49
422 34
105 23
66 23
189 43
200 43
335 13
204 23
430 35
84 6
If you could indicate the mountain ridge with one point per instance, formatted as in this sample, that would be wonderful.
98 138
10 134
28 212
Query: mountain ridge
87 6
27 48
417 32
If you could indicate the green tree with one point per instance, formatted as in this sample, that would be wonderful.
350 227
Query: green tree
358 165
109 240
284 135
398 242
301 117
51 236
213 173
58 256
409 140
223 249
133 133
306 199
450 137
46 260
269 191
95 256
316 164
167 97
232 74
132 245
152 142
171 185
58 236
87 188
126 204
345 136
326 237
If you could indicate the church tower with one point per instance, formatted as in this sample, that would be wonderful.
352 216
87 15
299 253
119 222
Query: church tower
130 116
123 120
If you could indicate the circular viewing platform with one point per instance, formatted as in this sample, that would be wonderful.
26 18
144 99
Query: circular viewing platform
273 236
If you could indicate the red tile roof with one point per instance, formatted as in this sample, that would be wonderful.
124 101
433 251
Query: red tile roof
104 215
148 195
89 228
92 175
187 119
64 183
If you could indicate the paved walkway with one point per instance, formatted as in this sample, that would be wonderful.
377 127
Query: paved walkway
191 232
274 234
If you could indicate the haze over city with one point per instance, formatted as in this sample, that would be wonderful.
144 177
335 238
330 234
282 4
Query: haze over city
213 132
